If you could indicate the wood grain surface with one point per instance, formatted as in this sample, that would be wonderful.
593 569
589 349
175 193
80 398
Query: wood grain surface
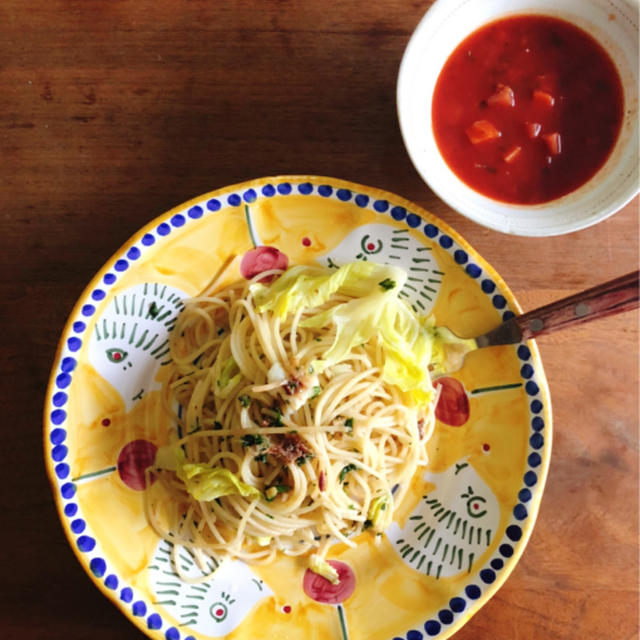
112 112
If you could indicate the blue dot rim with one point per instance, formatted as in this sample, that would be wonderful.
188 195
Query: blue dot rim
521 521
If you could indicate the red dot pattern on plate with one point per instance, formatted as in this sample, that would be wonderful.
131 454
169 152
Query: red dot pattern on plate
286 609
371 246
133 460
219 612
486 447
453 403
321 590
106 422
262 259
306 241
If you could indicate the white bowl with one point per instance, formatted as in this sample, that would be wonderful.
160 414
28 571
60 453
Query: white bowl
613 23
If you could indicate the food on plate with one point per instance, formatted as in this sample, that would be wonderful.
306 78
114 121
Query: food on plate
527 109
303 402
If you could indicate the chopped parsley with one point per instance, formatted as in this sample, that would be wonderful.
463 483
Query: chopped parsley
261 458
250 439
276 420
315 392
245 400
272 492
217 426
387 284
302 459
350 467
349 424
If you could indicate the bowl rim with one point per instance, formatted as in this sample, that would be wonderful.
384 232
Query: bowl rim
504 210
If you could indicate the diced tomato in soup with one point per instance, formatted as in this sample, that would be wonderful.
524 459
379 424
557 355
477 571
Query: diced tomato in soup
527 109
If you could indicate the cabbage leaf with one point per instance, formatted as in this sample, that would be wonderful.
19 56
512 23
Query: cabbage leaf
323 568
206 483
374 310
380 512
304 287
229 377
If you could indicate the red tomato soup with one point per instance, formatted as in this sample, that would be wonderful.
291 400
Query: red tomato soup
527 109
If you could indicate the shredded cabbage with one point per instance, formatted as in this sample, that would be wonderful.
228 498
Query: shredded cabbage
380 512
375 309
449 350
301 287
208 483
323 568
276 373
230 375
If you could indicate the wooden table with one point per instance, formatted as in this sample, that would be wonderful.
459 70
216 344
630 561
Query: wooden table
111 112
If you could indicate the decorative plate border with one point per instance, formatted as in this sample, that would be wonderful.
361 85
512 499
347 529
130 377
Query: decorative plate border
487 581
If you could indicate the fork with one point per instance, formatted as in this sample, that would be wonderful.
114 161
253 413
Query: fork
606 299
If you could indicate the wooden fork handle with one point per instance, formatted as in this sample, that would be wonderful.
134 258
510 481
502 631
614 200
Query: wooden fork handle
604 300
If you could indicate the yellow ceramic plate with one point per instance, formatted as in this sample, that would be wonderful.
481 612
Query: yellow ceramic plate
468 518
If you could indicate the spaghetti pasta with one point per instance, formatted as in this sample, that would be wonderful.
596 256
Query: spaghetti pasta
300 420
